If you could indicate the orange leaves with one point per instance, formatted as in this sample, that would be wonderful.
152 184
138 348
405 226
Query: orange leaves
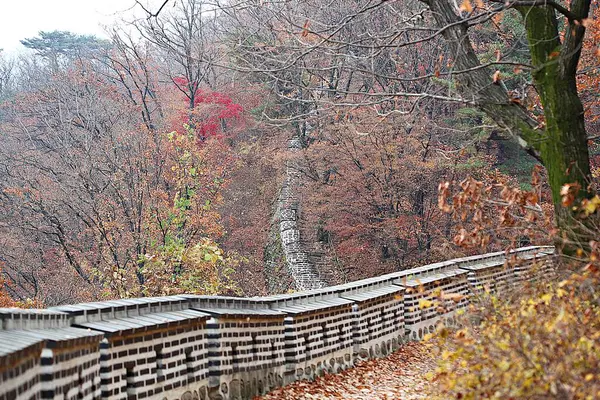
583 208
401 375
305 28
568 194
5 299
498 55
455 297
15 191
307 35
497 18
471 239
553 55
443 195
496 78
586 22
514 99
466 6
495 212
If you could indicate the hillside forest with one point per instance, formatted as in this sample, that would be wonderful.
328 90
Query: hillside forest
153 162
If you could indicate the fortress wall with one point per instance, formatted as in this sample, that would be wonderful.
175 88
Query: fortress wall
201 347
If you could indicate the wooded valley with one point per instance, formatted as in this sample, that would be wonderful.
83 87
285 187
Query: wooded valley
158 161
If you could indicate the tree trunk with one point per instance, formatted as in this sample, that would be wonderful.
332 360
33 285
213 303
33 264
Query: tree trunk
562 145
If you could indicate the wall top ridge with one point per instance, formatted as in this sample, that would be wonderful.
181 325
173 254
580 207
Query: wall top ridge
87 313
362 296
388 279
419 280
237 312
17 318
523 252
126 303
17 340
497 260
314 305
125 323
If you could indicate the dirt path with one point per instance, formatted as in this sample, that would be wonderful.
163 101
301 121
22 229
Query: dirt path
398 376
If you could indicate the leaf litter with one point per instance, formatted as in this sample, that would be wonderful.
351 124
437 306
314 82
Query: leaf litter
401 375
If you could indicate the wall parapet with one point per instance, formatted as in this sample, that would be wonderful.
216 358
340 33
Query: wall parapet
193 347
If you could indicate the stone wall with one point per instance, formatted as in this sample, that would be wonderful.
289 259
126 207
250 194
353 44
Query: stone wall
200 347
300 266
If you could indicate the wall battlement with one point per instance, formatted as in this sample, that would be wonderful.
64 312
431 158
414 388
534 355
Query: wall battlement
201 347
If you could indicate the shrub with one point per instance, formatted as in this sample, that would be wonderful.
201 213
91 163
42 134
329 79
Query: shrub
542 343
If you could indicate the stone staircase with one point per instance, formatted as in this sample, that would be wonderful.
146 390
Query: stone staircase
319 255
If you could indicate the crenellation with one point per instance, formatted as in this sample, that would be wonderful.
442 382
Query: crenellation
192 347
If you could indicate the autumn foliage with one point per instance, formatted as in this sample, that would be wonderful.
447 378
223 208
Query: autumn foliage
5 298
371 194
542 344
538 343
115 203
214 114
496 215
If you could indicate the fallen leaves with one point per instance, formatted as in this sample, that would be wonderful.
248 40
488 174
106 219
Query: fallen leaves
568 193
401 375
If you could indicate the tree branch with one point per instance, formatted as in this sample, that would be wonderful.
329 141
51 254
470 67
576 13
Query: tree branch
150 13
491 98
540 3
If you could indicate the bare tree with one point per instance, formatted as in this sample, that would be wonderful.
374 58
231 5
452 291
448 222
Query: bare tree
370 45
7 71
77 179
132 66
184 37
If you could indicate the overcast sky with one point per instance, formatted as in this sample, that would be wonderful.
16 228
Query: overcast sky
21 19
